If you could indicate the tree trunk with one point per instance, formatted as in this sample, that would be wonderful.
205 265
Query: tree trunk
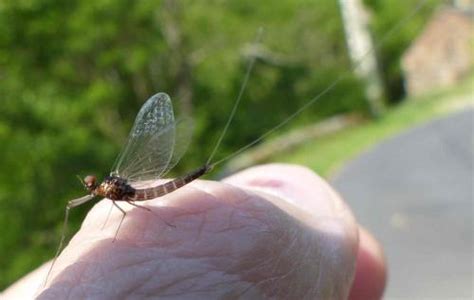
361 51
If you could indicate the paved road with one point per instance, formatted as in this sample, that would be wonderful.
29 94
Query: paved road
415 193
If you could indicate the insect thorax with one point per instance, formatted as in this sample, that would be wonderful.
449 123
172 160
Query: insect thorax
115 188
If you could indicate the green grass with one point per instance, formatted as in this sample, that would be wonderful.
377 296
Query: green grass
326 155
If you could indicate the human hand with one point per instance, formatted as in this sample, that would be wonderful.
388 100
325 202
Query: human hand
273 231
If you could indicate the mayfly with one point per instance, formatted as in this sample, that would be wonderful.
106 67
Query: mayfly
154 146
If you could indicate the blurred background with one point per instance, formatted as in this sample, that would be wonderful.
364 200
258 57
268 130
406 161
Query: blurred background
73 75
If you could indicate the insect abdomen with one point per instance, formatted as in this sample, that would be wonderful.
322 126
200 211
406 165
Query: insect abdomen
170 186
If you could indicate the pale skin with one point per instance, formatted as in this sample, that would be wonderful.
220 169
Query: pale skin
270 232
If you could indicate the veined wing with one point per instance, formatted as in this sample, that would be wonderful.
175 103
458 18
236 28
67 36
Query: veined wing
153 146
182 138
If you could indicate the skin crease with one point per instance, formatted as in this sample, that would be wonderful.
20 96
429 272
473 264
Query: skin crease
270 232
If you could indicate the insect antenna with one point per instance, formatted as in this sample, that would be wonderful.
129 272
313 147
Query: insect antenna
81 180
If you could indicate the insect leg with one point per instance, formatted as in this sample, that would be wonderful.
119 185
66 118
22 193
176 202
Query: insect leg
146 208
121 220
70 204
139 206
108 215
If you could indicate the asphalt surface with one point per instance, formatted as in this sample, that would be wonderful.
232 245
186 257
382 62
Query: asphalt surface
414 192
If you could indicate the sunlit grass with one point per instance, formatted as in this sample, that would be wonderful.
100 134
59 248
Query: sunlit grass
326 155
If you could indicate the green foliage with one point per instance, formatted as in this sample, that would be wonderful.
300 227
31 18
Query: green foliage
73 74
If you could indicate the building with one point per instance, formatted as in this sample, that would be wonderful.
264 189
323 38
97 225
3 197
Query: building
443 54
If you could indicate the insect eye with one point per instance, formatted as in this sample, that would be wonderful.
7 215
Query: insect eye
89 180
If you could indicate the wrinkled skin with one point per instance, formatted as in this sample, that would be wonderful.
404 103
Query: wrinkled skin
270 232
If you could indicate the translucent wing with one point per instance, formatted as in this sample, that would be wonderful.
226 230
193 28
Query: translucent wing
153 147
182 138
